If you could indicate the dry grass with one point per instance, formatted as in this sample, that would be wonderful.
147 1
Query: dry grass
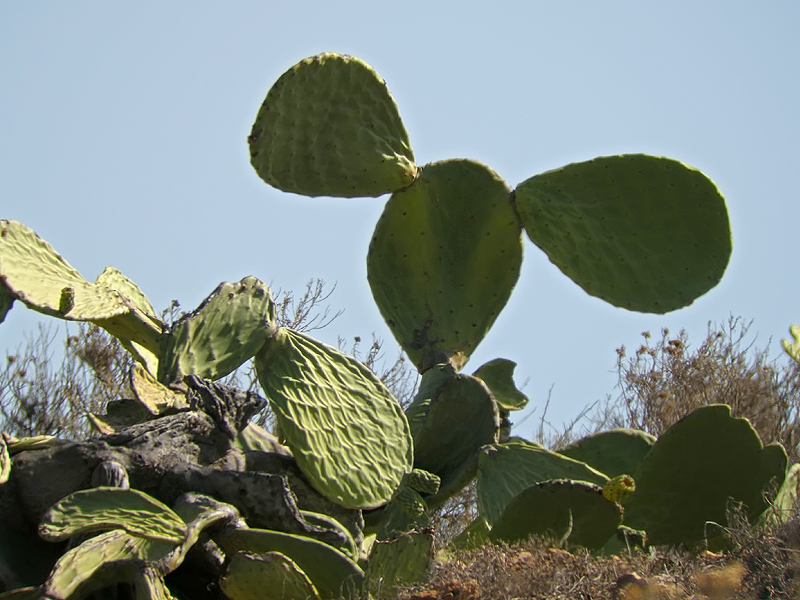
761 564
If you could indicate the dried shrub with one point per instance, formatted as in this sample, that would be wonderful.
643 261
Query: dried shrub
665 379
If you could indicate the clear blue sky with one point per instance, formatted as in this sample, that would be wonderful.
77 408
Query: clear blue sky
123 141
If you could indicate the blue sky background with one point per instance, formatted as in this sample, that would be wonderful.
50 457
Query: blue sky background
123 141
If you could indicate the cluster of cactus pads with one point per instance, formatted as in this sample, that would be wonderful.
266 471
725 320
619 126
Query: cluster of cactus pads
641 232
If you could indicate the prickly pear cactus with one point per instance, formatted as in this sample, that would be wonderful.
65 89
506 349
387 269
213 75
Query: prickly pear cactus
612 452
443 260
346 431
505 470
572 512
226 330
498 374
329 127
32 272
687 478
793 348
460 418
402 561
249 576
641 232
330 571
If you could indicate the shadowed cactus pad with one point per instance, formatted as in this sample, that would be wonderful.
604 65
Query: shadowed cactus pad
443 260
505 470
612 452
644 233
329 127
693 469
251 576
498 374
330 571
572 511
346 431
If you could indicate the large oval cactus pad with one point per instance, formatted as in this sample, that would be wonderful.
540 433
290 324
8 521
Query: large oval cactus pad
573 510
443 260
329 127
506 470
346 431
644 233
226 330
687 478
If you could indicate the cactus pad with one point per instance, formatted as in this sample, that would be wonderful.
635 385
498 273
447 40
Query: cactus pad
249 576
505 470
331 572
402 561
693 469
572 511
34 273
102 508
793 348
461 417
498 374
329 127
644 233
443 260
612 452
103 560
346 431
227 329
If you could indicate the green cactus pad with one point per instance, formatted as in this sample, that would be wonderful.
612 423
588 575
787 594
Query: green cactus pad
152 395
431 380
256 576
613 452
329 127
791 348
443 260
102 508
331 572
100 561
461 418
498 374
505 470
422 481
34 273
687 478
226 330
402 561
572 511
348 546
347 433
644 233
